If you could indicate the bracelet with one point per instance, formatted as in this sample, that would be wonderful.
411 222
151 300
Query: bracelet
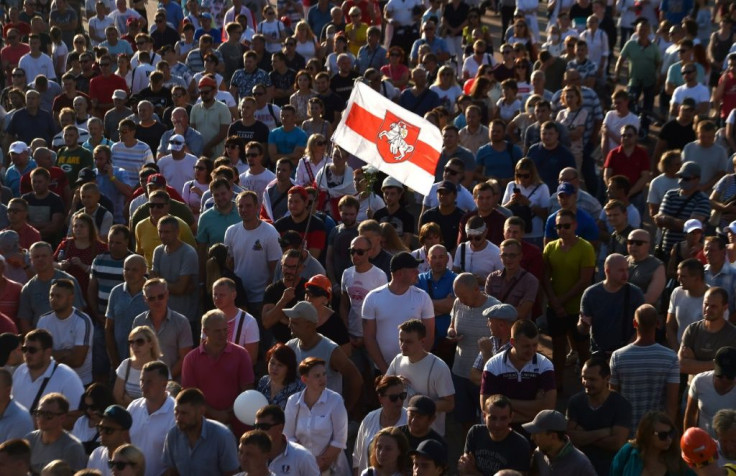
113 178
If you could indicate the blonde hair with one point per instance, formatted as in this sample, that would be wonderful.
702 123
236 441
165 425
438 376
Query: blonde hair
151 337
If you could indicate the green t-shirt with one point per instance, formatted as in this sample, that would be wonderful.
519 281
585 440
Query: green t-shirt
643 63
565 266
72 161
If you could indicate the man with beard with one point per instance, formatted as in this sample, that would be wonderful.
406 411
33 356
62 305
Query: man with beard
284 294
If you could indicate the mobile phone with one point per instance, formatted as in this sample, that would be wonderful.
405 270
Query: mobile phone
517 190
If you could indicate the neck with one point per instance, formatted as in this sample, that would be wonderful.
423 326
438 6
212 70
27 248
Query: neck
363 267
277 447
153 404
50 436
46 274
600 398
645 339
310 341
714 325
230 311
251 224
716 268
212 348
64 313
414 358
158 315
698 290
397 287
555 449
511 271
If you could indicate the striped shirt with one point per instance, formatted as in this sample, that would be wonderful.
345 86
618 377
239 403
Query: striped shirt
131 159
683 208
641 374
73 331
591 103
109 273
500 376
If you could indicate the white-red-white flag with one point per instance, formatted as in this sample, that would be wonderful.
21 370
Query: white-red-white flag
393 139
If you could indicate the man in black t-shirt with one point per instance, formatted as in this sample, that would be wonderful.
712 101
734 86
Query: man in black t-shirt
678 132
394 213
249 128
282 79
447 215
342 82
282 295
495 446
421 413
334 104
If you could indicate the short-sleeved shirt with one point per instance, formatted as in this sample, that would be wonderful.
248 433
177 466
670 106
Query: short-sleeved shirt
316 236
565 267
705 344
174 334
644 63
131 159
631 166
208 120
401 220
15 421
499 164
676 135
501 377
492 456
62 379
712 160
709 401
170 266
214 451
285 141
122 308
213 224
73 331
252 251
522 287
67 448
611 315
587 228
34 297
683 208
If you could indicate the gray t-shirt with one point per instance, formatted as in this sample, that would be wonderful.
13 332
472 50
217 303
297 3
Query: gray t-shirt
687 309
611 322
67 448
712 160
470 323
174 334
34 297
170 266
705 344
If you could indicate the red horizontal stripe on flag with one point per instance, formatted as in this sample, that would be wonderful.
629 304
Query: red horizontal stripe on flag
366 124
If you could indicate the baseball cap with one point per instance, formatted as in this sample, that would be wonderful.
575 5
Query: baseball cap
8 343
391 182
290 238
9 241
566 188
546 420
120 94
176 142
299 190
320 281
505 312
447 185
119 415
205 15
732 226
689 170
156 179
302 310
404 260
18 147
207 82
85 175
422 404
688 103
692 225
432 449
725 362
131 20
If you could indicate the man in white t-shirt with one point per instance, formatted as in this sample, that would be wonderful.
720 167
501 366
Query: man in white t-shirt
257 177
691 89
357 281
254 246
477 255
387 307
423 373
242 328
686 302
178 166
72 330
615 119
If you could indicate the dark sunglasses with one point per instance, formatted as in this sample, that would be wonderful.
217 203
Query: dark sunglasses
156 205
264 426
252 154
565 226
689 71
397 396
176 142
357 251
45 414
637 242
665 435
29 350
119 465
138 341
523 175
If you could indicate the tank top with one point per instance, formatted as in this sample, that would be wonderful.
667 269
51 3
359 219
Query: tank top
323 350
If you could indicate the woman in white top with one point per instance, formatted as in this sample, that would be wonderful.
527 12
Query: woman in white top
573 117
369 201
124 69
391 396
304 92
529 193
430 234
316 418
340 46
194 189
334 181
313 161
447 88
306 41
389 454
144 348
95 399
272 29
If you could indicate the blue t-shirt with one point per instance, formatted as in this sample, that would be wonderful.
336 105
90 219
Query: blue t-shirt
286 142
587 228
550 162
496 163
440 290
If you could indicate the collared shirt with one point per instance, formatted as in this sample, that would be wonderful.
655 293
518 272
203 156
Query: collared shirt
174 334
295 460
473 140
15 422
149 431
501 376
371 58
122 307
213 224
569 460
439 289
62 379
214 451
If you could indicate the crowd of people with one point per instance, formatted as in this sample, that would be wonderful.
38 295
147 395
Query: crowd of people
177 227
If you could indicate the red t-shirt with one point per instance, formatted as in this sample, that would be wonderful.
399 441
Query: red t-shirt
59 181
101 89
23 27
9 299
12 54
27 235
631 167
728 102
86 255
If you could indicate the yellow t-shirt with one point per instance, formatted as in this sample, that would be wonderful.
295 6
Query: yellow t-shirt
566 266
146 238
361 37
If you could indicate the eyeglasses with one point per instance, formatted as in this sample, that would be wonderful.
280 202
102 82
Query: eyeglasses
637 242
104 65
519 175
119 465
357 251
665 435
320 142
29 350
264 426
137 342
452 172
397 396
45 414
156 205
563 226
107 430
252 154
158 297
231 146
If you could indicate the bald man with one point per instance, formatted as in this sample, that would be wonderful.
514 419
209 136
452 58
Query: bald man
645 270
607 308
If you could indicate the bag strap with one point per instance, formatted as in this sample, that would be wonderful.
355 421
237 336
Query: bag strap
462 255
127 373
508 291
236 340
309 169
625 320
45 382
535 189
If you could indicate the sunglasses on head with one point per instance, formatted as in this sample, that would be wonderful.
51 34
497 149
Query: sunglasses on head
563 226
397 396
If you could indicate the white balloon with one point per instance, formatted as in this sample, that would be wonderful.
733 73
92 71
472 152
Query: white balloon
247 404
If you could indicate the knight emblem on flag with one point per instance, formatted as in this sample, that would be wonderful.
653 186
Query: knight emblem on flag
397 139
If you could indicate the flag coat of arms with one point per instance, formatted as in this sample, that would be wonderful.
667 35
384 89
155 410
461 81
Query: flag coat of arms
393 139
